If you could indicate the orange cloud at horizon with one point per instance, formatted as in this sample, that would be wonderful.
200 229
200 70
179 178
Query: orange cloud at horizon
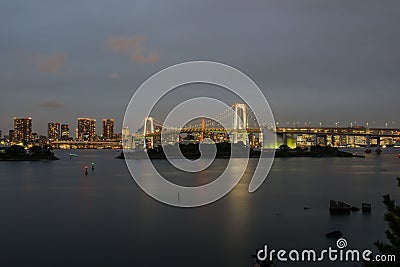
139 56
50 63
133 46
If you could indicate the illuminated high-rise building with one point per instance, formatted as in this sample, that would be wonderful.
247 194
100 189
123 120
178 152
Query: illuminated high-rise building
86 129
64 131
22 129
108 128
53 131
35 137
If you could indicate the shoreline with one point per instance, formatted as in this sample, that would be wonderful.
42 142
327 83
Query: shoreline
193 153
52 158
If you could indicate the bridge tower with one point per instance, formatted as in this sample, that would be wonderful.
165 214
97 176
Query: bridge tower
148 129
240 123
202 129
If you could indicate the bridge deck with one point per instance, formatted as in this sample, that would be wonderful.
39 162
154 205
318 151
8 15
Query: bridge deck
377 132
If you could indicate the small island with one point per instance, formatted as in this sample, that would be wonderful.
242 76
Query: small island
192 151
19 153
313 151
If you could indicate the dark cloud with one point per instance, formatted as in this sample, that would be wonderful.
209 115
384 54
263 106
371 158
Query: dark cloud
51 103
123 45
114 76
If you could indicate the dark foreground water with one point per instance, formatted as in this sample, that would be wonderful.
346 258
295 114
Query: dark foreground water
51 214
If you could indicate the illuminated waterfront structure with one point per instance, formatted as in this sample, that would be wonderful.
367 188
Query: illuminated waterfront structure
108 129
64 131
125 132
22 130
126 138
240 128
53 131
86 129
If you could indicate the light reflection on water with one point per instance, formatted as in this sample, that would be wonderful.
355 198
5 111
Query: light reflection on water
53 215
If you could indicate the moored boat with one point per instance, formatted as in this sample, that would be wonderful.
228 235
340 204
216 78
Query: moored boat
339 207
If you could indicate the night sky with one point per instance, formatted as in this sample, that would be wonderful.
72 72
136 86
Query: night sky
315 60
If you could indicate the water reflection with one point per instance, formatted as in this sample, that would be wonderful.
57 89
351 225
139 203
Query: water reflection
105 219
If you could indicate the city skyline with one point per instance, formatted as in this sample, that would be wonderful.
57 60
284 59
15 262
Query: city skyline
320 61
248 134
23 129
107 126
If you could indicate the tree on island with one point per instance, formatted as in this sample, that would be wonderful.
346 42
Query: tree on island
284 148
35 150
16 150
392 216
